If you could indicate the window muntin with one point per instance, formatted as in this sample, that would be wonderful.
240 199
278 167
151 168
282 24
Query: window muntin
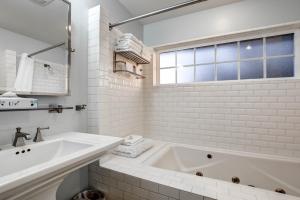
268 57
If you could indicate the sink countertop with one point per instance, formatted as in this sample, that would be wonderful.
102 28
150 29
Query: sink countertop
95 146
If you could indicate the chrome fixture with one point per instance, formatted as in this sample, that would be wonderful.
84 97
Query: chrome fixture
19 138
38 136
157 12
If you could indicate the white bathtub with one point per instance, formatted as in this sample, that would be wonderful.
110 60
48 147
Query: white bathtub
254 170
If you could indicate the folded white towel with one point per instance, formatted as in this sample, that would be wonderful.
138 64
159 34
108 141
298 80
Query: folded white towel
25 74
132 140
130 36
135 150
137 48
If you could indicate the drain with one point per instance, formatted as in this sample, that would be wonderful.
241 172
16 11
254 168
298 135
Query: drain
251 185
235 179
199 174
209 156
280 190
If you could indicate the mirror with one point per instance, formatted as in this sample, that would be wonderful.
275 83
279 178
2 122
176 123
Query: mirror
35 46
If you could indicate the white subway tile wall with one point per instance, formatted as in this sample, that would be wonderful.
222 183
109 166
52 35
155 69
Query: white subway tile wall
115 102
261 116
8 70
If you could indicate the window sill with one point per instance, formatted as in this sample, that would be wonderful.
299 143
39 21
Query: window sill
231 82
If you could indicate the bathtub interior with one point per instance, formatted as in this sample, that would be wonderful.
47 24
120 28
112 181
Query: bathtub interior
257 172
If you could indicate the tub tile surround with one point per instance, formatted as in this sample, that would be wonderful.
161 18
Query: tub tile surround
131 179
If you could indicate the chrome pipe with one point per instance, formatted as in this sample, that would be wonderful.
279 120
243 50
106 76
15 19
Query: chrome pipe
181 5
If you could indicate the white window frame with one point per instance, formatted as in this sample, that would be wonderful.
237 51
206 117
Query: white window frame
263 33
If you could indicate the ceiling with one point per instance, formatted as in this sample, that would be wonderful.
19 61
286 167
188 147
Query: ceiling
138 7
46 24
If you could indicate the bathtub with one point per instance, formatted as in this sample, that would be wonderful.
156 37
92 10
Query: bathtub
261 171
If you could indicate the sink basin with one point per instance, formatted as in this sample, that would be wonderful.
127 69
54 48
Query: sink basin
35 171
16 161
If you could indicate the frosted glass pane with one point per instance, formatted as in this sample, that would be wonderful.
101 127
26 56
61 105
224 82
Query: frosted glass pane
227 52
167 60
205 73
251 49
205 55
280 67
280 45
185 74
185 57
167 76
252 69
227 71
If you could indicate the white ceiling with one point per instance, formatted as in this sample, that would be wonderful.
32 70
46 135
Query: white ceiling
138 7
46 24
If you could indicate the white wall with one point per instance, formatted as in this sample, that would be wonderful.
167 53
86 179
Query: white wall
246 14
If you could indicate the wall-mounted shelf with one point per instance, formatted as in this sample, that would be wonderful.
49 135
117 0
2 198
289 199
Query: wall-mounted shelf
133 56
137 59
50 109
126 72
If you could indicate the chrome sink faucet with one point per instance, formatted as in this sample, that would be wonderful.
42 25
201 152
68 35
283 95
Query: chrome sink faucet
19 138
38 136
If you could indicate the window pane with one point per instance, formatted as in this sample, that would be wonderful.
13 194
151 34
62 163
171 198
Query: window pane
227 71
185 74
227 52
167 76
280 67
280 45
251 49
185 57
205 55
167 59
205 73
252 69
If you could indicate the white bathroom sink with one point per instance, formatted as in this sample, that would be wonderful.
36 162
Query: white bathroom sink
52 159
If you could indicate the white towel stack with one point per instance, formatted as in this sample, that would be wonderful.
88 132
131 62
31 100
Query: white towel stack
128 42
133 146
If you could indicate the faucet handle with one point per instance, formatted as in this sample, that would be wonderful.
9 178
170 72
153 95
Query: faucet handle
46 128
38 136
18 129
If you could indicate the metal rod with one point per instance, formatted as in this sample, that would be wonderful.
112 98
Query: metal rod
181 5
46 49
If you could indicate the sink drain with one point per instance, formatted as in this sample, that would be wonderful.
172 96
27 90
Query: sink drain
199 174
280 190
235 179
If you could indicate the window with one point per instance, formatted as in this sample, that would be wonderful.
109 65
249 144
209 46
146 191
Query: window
268 57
